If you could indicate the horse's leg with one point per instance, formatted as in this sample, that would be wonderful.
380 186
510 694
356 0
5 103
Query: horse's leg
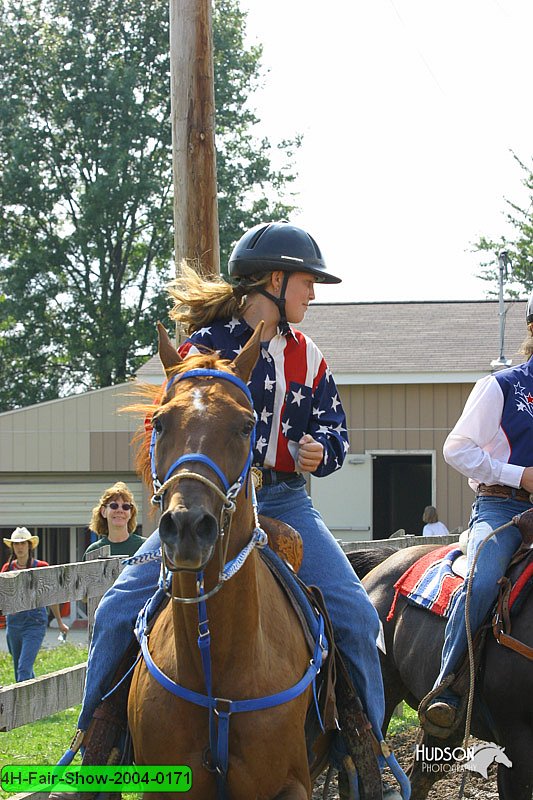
516 782
423 774
395 691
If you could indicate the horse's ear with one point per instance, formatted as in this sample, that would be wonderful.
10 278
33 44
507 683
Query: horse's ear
170 358
244 363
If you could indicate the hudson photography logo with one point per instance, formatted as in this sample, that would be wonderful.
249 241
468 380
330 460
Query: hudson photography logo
477 758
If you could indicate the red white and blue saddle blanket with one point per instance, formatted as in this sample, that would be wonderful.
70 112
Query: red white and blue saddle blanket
430 582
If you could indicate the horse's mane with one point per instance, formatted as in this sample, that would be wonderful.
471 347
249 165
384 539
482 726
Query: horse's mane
153 397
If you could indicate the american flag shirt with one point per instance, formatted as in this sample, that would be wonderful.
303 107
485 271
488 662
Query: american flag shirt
293 392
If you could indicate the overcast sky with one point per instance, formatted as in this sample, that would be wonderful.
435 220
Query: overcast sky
409 111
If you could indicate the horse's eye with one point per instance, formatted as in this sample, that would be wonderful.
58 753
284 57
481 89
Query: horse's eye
156 425
248 428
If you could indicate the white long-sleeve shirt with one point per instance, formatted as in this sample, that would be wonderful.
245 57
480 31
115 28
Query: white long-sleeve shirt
477 447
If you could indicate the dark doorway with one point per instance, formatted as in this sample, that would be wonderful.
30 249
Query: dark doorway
401 491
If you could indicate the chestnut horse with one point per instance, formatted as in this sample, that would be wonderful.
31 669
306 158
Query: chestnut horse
503 708
202 441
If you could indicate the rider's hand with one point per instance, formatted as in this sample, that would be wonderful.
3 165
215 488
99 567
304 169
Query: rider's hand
527 479
310 453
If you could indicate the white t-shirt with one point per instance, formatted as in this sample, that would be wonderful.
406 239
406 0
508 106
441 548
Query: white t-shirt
435 529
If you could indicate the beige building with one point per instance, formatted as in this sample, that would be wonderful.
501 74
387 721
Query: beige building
404 371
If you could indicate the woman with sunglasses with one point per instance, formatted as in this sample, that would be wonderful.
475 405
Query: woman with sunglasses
114 520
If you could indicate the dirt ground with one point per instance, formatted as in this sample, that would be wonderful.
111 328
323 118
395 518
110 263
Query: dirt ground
476 787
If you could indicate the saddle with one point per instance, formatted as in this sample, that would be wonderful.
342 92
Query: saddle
284 540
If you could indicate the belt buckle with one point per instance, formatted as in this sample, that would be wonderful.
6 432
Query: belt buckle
257 477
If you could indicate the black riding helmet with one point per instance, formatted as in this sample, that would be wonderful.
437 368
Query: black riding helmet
273 246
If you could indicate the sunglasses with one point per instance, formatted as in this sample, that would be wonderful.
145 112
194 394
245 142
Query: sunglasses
124 506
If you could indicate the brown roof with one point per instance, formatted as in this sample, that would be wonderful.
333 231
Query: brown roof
411 337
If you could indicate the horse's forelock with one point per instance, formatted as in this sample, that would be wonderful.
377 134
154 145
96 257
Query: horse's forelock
152 395
201 361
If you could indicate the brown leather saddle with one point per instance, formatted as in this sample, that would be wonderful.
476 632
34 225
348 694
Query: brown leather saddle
284 540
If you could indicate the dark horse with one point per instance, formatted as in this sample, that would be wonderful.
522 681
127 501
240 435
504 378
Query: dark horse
202 445
503 708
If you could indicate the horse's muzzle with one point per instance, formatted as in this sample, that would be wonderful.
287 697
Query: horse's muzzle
189 536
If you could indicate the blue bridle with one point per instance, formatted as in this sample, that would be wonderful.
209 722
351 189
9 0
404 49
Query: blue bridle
232 490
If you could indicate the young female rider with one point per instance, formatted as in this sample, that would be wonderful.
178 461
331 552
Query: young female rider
301 427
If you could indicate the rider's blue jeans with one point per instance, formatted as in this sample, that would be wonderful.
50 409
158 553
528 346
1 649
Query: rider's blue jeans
325 565
488 513
355 621
25 632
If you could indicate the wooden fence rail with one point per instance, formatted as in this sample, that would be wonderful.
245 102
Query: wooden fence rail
399 542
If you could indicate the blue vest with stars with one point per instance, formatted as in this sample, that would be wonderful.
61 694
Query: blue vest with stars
517 416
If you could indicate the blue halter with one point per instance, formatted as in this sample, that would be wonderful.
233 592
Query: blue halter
231 491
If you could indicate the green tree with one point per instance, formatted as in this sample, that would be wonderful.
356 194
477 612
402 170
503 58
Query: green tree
519 246
86 185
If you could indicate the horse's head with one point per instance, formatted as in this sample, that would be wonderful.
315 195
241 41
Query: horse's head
201 448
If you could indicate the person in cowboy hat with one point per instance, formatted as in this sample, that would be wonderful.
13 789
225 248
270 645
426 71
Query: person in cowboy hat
25 630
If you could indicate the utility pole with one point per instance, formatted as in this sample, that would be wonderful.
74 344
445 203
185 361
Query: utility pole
192 104
503 262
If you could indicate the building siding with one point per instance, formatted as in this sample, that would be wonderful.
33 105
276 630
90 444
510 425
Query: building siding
410 418
81 433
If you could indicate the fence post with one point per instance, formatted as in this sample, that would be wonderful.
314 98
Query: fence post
92 602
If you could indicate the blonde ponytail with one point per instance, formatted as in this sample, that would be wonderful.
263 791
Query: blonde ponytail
199 300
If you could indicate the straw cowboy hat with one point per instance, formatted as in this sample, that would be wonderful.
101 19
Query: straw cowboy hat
22 535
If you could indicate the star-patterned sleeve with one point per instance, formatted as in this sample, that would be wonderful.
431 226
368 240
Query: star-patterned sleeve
328 425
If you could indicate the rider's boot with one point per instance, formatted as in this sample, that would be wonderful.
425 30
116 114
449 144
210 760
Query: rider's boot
442 710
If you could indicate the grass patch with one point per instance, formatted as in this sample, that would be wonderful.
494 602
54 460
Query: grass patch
408 719
45 741
65 655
